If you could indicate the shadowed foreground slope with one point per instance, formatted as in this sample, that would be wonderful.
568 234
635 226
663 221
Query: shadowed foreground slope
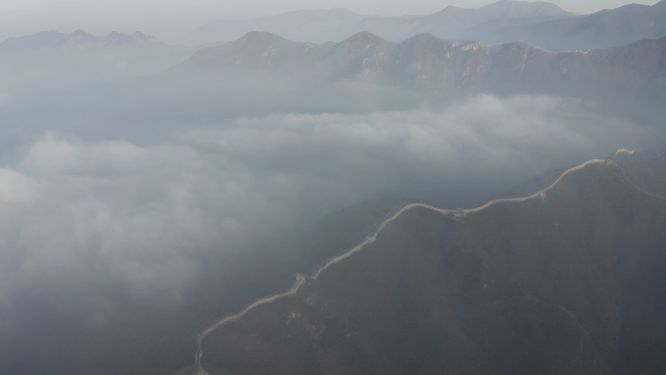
570 281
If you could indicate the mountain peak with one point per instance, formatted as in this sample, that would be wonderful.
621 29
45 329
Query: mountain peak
42 39
261 39
336 24
363 37
342 9
505 9
454 67
338 11
255 49
79 39
424 37
115 38
261 35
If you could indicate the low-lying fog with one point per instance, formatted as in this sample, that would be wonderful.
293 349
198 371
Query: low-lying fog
114 197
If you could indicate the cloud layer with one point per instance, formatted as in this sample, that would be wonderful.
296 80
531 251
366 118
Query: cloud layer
145 212
90 227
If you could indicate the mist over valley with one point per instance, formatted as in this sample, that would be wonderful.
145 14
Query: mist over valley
148 190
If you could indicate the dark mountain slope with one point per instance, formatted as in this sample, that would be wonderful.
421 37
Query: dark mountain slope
424 62
153 341
572 281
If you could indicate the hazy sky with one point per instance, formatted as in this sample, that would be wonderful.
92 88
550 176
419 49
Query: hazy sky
170 18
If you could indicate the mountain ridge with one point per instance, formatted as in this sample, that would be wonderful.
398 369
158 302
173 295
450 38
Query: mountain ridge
604 29
78 39
314 309
424 62
337 24
539 23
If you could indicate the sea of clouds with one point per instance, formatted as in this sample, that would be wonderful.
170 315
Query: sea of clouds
114 197
142 214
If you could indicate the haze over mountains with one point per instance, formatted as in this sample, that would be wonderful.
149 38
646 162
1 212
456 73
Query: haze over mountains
148 190
539 23
600 30
338 24
634 72
53 60
78 39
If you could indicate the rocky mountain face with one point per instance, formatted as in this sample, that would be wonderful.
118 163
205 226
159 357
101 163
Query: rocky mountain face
338 24
603 29
635 72
77 40
570 280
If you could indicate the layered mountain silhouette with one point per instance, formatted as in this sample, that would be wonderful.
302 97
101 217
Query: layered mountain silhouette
571 280
539 23
307 25
452 22
424 62
607 28
77 40
80 60
338 24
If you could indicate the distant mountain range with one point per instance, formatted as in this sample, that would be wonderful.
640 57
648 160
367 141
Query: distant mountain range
607 28
77 60
338 24
570 280
539 23
424 62
77 40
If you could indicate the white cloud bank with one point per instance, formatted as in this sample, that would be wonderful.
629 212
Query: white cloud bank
141 216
